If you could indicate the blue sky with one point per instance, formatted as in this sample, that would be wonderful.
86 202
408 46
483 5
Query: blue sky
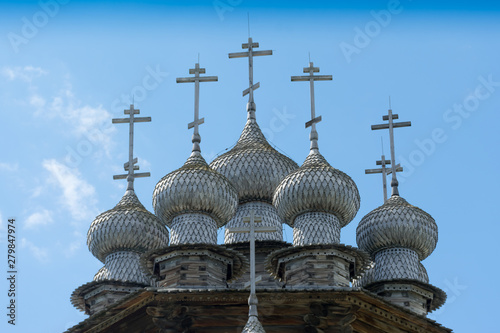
66 70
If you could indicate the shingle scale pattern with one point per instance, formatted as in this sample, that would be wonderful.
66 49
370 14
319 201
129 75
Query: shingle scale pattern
127 226
269 219
122 266
195 188
316 228
193 228
253 326
397 224
253 166
317 186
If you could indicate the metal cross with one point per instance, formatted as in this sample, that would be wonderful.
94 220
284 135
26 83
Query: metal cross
252 229
250 54
196 79
311 78
130 165
391 125
384 171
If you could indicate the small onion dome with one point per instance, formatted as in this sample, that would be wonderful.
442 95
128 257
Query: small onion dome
195 188
253 166
397 224
317 186
253 325
126 227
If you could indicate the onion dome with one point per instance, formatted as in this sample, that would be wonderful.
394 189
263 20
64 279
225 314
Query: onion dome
253 325
317 187
195 188
398 224
252 165
126 227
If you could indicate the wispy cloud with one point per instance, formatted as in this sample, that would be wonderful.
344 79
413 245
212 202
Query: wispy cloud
92 123
38 219
26 73
78 196
9 166
40 254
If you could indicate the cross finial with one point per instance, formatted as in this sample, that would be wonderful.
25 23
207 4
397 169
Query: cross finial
131 166
391 125
384 171
314 120
197 121
250 54
252 229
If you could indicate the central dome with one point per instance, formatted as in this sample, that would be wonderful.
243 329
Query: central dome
253 166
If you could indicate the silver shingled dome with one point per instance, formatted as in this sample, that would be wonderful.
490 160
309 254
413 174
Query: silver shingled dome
253 166
195 188
253 326
397 224
126 227
317 186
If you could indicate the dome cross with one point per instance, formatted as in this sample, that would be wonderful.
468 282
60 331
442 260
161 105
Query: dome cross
131 166
252 229
196 79
250 54
311 78
384 171
391 125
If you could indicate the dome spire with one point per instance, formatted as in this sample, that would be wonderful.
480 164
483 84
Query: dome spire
391 125
197 121
250 54
130 165
314 120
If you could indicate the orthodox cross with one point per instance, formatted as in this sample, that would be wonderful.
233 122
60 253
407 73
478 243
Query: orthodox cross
130 165
250 54
311 78
391 125
196 79
252 229
384 171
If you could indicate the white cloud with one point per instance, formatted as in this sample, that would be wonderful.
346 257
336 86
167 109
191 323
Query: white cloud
38 219
9 166
26 73
86 122
40 254
78 196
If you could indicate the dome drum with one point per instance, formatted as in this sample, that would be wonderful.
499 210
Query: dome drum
123 266
269 216
396 263
193 228
316 228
